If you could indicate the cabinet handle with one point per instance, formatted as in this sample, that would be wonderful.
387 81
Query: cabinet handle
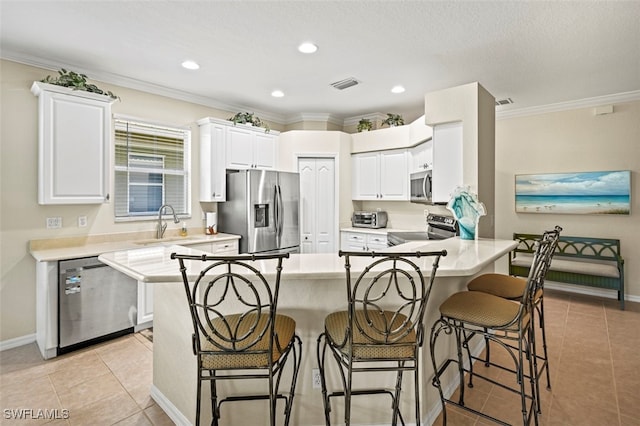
107 197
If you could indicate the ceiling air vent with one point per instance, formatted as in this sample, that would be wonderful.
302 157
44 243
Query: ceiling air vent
346 83
506 101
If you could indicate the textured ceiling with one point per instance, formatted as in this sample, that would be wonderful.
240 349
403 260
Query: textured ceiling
536 53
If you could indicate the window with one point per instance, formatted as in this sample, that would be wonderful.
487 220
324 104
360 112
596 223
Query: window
151 169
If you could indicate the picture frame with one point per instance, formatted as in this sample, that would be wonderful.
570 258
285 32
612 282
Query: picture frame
602 192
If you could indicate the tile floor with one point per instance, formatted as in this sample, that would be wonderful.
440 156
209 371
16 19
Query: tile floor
595 373
594 351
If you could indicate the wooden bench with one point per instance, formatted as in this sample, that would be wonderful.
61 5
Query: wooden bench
593 262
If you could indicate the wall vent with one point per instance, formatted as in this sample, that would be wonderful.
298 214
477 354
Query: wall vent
346 83
506 101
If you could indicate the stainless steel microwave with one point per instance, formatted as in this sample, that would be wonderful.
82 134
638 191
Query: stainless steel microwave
420 184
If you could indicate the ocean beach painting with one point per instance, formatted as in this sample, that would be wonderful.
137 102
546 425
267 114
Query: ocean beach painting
574 193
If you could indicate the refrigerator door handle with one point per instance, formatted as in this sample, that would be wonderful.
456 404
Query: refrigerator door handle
276 212
281 213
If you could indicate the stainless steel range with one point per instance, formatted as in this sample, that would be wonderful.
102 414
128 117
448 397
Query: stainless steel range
439 227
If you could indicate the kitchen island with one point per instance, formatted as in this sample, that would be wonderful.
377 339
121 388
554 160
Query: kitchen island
312 286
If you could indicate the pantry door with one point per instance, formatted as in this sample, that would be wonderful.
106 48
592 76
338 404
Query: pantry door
317 205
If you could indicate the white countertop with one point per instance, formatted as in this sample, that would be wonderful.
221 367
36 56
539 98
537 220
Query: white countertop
464 258
94 249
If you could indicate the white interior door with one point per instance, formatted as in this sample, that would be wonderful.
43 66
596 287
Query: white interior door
317 205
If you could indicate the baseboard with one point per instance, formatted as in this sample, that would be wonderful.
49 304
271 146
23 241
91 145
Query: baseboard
17 341
589 291
174 414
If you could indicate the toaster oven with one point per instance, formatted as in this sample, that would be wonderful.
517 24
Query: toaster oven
369 219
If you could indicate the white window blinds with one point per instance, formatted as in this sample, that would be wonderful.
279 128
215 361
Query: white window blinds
151 169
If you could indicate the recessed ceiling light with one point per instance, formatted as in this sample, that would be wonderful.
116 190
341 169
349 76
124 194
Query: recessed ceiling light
277 94
307 48
190 65
397 89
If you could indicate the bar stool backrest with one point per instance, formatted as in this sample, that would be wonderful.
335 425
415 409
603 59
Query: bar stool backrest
387 300
539 267
232 305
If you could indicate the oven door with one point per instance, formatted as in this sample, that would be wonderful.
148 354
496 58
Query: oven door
420 184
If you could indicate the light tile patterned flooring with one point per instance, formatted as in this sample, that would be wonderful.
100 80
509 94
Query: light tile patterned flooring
595 373
594 352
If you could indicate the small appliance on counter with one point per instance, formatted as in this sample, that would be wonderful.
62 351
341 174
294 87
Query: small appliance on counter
439 227
369 219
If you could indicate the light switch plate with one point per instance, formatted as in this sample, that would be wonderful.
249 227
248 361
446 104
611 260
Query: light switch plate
82 221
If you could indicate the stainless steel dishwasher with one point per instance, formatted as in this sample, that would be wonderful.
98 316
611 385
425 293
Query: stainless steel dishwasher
95 303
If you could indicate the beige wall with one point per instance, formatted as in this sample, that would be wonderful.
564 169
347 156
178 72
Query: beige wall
572 141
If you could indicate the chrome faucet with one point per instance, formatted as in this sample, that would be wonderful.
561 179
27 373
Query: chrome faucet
163 226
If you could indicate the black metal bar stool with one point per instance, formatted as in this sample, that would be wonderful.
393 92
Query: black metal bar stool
507 323
382 330
513 288
237 332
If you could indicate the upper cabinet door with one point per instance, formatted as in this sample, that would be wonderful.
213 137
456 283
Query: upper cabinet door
250 148
265 149
380 175
212 163
365 179
422 157
394 179
74 145
240 148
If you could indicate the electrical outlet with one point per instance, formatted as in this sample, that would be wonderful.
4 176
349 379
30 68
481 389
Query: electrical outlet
315 378
82 221
54 222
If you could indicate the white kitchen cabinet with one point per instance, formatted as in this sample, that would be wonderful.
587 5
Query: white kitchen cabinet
74 145
145 305
229 247
447 160
250 148
380 175
422 157
363 241
212 161
317 205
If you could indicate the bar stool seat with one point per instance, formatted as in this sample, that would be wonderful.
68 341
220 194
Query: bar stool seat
484 310
337 326
215 358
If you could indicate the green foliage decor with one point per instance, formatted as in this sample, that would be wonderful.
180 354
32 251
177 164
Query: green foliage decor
249 118
76 81
393 120
364 125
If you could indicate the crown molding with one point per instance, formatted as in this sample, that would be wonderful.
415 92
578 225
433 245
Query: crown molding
140 85
324 117
569 105
155 89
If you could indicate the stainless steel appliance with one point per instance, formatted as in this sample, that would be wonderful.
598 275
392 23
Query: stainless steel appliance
369 219
439 227
421 187
262 207
95 303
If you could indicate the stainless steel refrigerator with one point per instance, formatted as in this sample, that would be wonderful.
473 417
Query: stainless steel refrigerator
262 207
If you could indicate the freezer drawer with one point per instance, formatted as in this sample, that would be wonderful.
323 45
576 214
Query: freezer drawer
95 302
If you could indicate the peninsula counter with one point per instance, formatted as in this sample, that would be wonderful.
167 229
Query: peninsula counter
312 285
